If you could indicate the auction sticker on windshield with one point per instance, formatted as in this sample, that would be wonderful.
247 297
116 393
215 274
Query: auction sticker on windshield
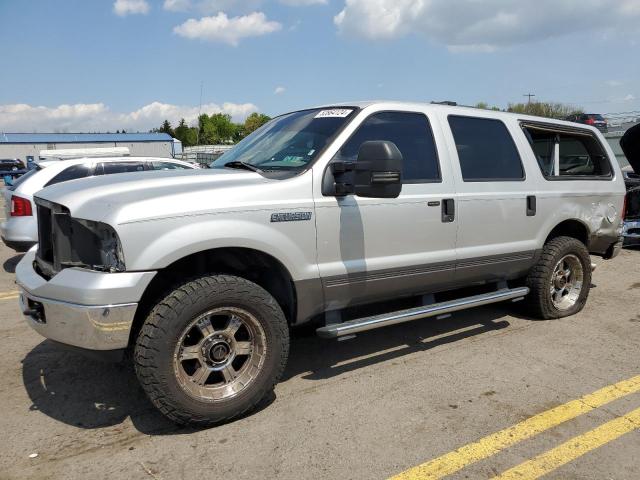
334 113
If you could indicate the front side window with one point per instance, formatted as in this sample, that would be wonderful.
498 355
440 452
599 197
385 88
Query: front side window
410 132
108 168
486 150
566 154
71 173
288 143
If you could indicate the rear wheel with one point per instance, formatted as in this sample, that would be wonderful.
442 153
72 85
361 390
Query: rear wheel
559 284
211 350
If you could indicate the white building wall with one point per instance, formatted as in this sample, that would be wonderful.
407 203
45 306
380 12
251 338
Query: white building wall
144 149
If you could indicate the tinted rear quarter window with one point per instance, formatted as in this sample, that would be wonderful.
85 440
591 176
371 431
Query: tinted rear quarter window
580 154
486 150
70 173
108 168
410 132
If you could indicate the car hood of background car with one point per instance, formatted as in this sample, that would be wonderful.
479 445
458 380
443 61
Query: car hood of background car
630 143
140 196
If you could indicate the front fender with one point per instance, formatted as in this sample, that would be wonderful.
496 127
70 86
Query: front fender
153 245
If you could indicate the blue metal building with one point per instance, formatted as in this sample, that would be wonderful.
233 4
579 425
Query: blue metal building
24 145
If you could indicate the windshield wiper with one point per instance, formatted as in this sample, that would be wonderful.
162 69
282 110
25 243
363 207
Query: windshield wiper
242 166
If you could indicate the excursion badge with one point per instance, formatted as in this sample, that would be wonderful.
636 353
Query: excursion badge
290 217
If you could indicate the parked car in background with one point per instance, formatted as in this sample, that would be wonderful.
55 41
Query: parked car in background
630 144
10 169
10 165
20 228
593 119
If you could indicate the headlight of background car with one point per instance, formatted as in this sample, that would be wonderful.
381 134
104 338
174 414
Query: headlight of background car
90 244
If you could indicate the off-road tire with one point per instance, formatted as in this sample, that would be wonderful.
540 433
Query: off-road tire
538 303
158 337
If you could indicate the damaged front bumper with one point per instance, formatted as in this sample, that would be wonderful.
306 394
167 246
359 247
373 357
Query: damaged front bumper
81 308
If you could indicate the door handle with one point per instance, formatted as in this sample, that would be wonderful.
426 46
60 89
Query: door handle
448 210
532 206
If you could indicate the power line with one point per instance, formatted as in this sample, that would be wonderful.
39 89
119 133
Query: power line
529 96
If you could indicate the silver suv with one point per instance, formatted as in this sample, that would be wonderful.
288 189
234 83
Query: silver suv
202 273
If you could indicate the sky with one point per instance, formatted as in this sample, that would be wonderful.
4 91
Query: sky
105 65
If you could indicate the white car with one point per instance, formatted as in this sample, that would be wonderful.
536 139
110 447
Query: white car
19 231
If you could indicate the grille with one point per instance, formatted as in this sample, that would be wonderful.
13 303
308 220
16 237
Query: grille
51 237
45 234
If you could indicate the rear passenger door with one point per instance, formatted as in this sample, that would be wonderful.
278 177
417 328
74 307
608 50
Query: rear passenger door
497 218
375 248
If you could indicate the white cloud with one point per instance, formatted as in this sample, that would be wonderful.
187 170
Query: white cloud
302 3
614 83
228 30
177 5
279 90
130 7
629 98
210 7
472 25
96 117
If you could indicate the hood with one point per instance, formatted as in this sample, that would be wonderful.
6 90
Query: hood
630 143
140 196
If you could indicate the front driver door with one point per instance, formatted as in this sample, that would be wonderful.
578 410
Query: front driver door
372 249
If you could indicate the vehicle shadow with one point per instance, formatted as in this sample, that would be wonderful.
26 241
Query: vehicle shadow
10 264
318 359
90 394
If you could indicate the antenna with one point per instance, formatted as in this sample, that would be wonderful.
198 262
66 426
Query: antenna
529 96
199 113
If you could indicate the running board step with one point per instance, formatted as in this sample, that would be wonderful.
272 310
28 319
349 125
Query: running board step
369 323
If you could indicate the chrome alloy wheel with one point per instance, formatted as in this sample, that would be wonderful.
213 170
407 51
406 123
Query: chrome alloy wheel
219 354
566 282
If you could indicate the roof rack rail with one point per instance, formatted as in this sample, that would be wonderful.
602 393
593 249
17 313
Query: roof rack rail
446 102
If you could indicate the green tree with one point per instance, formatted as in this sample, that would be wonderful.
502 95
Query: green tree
485 106
253 122
216 128
187 135
545 109
166 128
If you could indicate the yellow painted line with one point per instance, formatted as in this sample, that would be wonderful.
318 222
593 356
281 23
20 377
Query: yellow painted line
574 448
494 443
9 295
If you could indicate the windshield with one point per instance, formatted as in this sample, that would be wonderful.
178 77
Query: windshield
288 143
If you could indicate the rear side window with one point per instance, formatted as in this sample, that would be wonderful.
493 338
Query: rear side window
107 168
411 133
568 155
485 149
168 166
71 173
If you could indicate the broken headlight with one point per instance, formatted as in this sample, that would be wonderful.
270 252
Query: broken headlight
88 244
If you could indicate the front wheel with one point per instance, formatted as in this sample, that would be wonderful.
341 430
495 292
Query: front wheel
560 282
212 350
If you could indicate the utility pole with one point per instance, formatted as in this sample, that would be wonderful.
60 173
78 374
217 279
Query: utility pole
529 96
